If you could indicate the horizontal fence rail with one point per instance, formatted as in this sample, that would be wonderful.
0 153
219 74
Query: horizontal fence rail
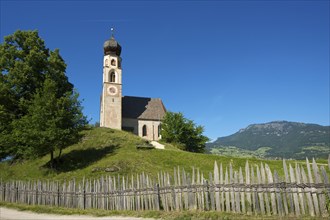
303 190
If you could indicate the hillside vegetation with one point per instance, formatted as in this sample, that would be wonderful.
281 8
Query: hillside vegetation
276 139
104 151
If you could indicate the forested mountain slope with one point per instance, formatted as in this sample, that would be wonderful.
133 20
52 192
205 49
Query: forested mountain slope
278 139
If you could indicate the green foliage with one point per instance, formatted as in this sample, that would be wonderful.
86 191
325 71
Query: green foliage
51 123
183 132
39 109
7 114
24 58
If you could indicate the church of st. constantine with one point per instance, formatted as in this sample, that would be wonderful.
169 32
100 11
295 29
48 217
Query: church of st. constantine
139 115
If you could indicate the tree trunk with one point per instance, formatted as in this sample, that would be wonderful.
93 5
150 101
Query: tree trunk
51 159
60 153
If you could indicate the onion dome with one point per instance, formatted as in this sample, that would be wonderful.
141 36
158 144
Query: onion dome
111 47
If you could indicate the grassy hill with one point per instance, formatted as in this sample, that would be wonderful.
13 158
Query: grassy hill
105 151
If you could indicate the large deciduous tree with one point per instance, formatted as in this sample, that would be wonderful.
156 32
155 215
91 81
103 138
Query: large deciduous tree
50 123
39 108
183 132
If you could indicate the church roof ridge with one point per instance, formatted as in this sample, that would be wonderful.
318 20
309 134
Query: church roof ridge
140 97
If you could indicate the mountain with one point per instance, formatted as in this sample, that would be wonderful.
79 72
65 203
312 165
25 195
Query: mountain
277 139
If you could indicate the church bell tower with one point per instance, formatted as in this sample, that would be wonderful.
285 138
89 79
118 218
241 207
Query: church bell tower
111 98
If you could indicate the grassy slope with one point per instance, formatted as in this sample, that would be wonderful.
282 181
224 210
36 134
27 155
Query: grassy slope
106 148
173 215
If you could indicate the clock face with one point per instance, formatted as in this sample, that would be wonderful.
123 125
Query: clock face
112 90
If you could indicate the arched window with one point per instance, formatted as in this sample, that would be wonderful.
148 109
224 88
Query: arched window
113 77
159 129
144 130
113 62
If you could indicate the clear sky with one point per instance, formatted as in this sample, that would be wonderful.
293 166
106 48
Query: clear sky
223 64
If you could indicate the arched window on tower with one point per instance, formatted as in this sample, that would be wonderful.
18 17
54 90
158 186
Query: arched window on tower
112 77
144 130
113 62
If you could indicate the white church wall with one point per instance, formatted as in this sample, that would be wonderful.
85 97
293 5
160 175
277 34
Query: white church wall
152 129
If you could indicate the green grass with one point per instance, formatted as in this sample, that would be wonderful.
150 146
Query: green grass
182 215
239 152
103 150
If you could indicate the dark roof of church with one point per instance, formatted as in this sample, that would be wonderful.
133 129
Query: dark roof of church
143 108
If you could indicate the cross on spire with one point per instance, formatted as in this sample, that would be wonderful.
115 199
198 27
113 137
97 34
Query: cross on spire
112 31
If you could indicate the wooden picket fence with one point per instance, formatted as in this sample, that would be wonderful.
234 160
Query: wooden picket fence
255 190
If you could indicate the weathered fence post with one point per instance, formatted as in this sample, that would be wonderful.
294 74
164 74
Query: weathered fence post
16 193
326 180
313 190
322 201
294 190
278 194
242 190
300 194
211 192
272 190
58 194
36 201
259 204
308 191
208 195
216 187
248 190
232 190
158 195
84 198
263 178
227 191
222 189
4 192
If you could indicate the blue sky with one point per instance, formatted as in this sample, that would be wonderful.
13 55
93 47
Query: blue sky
223 64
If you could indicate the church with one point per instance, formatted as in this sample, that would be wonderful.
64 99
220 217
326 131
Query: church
139 115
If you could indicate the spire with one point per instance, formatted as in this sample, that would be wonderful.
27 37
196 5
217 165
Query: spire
112 32
111 46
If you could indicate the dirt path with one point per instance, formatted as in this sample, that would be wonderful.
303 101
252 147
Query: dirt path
7 214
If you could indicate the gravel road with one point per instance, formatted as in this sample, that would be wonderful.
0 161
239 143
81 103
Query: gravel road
12 214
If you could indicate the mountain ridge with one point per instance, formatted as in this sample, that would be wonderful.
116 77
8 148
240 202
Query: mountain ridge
284 139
